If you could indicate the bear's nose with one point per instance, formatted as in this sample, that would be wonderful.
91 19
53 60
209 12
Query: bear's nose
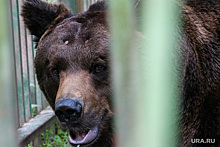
68 110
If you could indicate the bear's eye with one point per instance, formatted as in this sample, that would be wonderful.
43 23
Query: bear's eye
55 71
99 68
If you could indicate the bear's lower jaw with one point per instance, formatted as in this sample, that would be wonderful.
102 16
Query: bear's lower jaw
83 138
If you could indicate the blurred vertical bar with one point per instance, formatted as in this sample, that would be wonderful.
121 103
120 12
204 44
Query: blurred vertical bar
145 80
7 80
125 70
158 125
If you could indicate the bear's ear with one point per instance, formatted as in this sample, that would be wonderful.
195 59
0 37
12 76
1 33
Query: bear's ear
39 15
98 6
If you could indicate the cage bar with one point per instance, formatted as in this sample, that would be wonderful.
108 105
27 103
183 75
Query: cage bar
145 79
7 80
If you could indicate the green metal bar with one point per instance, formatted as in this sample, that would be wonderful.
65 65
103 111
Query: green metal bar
145 80
31 72
28 60
26 94
160 85
38 96
125 70
37 89
18 62
7 80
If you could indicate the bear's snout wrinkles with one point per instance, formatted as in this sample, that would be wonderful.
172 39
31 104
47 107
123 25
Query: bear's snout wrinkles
68 110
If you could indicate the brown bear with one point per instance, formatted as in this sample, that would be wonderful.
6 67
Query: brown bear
73 70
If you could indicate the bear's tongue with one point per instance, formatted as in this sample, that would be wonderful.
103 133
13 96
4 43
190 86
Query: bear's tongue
83 138
78 137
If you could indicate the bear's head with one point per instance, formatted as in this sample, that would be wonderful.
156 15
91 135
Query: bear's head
72 67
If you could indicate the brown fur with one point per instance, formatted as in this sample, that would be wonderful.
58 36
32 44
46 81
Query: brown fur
74 45
201 94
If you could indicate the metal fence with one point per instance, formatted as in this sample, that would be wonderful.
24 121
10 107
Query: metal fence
29 99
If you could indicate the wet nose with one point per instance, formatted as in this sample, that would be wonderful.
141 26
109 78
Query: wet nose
68 110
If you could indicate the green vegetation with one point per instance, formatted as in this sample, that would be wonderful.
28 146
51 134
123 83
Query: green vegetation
33 109
54 139
59 139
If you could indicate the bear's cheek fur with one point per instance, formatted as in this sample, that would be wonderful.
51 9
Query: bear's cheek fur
45 81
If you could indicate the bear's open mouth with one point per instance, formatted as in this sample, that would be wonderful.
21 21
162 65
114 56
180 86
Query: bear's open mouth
84 137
